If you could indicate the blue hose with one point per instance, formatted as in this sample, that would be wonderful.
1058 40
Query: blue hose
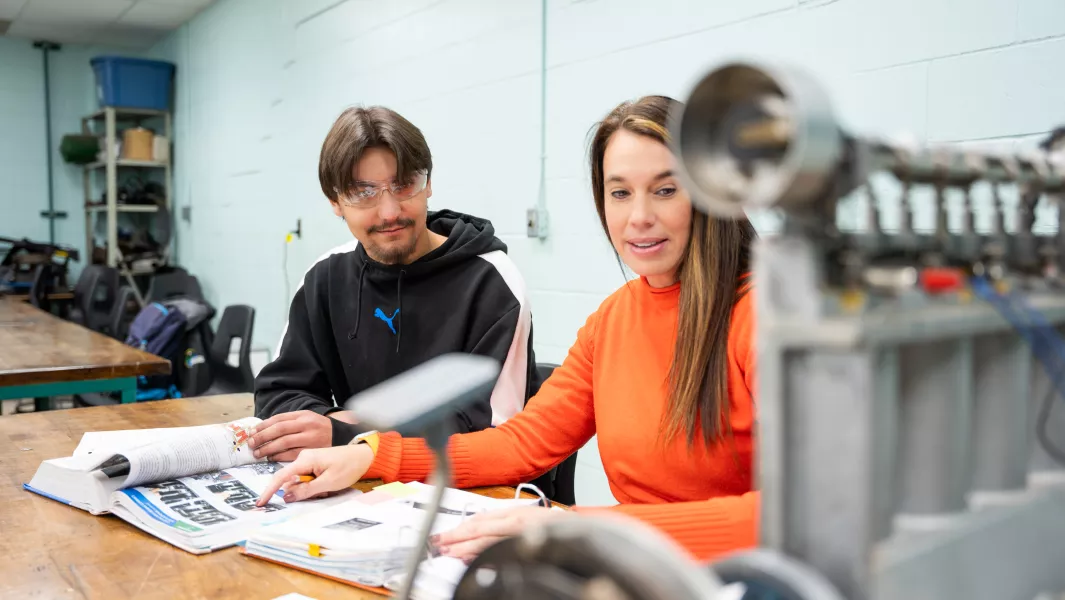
1047 346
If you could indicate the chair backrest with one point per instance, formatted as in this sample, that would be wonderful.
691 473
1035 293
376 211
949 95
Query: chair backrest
174 284
121 316
558 483
95 294
543 371
237 322
86 282
42 285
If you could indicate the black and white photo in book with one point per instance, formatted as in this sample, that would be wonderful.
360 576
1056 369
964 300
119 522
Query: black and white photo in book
179 498
212 476
264 468
354 524
239 496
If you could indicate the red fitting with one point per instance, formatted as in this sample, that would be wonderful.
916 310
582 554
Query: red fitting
937 280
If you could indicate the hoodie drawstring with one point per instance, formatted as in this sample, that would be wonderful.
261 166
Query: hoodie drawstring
399 309
358 311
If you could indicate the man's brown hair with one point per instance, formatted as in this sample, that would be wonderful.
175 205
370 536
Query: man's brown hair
357 129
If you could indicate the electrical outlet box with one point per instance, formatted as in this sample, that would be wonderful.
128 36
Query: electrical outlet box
186 214
536 223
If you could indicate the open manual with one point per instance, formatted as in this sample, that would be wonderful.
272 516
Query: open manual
365 542
194 487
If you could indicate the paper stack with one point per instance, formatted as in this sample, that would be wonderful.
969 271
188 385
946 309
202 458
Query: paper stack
365 541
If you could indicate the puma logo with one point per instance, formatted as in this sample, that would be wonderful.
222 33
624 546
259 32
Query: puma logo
380 314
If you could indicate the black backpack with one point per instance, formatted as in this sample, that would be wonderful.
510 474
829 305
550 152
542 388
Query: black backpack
159 330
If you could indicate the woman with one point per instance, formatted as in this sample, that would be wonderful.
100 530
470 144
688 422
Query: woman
663 371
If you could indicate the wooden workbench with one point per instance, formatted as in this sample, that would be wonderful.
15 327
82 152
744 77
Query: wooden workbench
42 355
52 296
50 550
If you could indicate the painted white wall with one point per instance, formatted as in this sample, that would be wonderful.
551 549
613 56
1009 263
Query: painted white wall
260 81
23 148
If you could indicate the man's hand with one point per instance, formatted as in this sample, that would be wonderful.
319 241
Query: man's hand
332 468
479 532
281 437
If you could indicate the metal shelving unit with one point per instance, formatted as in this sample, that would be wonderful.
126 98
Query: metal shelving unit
128 162
110 118
130 208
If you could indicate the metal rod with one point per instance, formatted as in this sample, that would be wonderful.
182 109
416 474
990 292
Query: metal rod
543 100
48 146
111 160
957 168
45 48
440 482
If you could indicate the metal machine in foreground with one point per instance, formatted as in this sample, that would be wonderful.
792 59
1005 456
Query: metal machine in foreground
908 384
898 408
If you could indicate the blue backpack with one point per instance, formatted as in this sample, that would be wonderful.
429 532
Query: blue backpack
158 330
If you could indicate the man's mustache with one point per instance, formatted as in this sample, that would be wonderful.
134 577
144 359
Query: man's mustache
392 225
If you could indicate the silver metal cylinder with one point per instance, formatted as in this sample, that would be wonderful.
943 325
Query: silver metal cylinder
935 427
1001 440
754 137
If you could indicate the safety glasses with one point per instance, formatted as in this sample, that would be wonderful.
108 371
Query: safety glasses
368 194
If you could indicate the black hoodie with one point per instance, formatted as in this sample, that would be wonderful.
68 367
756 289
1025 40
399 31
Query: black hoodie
356 322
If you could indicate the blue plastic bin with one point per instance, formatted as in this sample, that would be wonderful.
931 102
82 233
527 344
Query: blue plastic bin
133 82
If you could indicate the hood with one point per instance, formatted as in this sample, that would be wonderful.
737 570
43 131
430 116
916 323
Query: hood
467 236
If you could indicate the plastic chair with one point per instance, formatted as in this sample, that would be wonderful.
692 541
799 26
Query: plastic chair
118 328
174 284
95 295
558 483
237 322
42 285
120 317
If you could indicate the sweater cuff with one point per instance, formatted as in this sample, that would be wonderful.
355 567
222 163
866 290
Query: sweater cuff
463 469
400 459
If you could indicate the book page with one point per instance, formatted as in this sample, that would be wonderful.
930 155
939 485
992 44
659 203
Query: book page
206 505
113 442
194 505
208 449
354 528
437 578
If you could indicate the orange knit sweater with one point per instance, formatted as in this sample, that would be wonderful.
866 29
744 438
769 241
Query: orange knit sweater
614 384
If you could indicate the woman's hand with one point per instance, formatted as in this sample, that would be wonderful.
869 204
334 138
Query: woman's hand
481 531
332 468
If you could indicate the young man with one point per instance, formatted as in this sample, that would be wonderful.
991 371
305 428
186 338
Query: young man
412 285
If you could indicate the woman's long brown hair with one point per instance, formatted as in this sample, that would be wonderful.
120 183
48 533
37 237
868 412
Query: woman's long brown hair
714 274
